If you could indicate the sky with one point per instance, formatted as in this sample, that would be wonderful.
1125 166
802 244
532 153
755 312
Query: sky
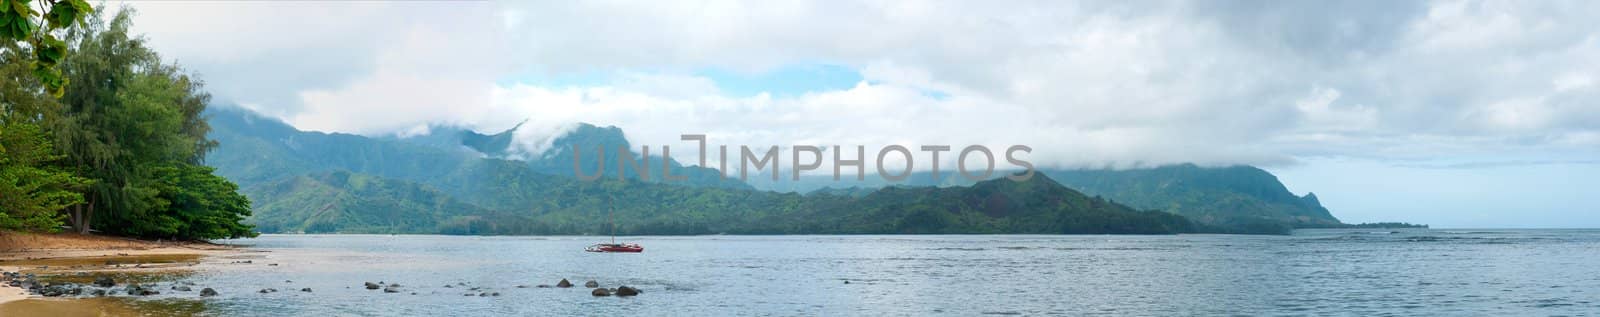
1451 113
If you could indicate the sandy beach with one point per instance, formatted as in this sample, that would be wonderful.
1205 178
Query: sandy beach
73 254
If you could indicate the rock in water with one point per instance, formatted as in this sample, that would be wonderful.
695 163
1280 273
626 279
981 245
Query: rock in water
182 288
371 285
591 284
626 291
600 292
307 290
208 292
395 288
138 290
104 281
564 284
52 291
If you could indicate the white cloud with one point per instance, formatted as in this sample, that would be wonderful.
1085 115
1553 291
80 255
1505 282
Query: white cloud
1085 84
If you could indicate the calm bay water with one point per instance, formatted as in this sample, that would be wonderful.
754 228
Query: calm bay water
1314 272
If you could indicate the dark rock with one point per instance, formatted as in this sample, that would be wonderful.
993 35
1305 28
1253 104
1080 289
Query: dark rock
600 292
591 284
448 286
371 285
627 291
104 281
139 290
483 294
52 291
522 286
208 292
98 292
182 288
543 286
269 290
307 290
564 284
392 289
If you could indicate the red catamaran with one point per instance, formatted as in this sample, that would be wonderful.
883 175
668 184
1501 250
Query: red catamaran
614 246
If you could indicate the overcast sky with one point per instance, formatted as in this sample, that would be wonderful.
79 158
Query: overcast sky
1453 113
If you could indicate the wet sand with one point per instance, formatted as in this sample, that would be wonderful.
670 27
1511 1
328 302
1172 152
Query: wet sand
78 259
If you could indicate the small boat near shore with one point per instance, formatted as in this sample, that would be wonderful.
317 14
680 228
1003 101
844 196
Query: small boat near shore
614 247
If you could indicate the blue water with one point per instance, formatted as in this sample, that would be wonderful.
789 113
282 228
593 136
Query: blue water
1313 272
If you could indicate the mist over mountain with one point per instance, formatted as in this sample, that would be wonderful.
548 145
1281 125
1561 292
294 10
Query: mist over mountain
556 158
459 181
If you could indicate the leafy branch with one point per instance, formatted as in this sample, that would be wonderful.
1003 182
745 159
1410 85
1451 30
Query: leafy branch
17 23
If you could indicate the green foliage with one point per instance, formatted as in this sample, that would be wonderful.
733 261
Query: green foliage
1238 199
346 183
354 203
17 24
514 201
203 205
121 150
33 186
32 191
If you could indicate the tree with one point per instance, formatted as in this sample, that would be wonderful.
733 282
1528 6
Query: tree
17 24
32 192
133 124
34 188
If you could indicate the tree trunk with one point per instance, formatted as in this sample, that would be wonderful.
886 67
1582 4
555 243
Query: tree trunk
77 218
87 217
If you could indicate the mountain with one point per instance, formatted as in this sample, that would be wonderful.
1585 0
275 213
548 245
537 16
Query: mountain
303 181
254 149
484 171
1232 199
1235 196
352 203
557 158
1038 205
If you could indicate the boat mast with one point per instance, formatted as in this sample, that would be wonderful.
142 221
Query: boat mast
611 218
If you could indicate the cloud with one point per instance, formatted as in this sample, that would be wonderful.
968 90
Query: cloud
1084 84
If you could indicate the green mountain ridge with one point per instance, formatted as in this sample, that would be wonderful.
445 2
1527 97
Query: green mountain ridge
345 202
352 203
558 158
510 196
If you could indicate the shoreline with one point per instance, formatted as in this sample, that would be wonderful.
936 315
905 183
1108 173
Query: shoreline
25 252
